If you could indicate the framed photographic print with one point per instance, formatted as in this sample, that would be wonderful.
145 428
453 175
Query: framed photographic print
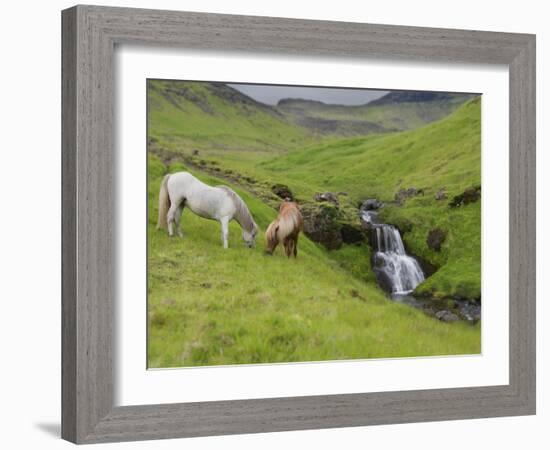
277 224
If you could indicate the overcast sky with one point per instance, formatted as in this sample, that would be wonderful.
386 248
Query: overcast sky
271 94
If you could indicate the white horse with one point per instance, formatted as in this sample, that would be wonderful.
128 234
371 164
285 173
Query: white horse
219 203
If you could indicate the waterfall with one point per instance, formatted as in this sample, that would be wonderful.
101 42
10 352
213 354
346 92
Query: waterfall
399 271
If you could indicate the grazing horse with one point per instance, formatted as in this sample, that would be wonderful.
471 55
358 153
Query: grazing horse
219 203
285 228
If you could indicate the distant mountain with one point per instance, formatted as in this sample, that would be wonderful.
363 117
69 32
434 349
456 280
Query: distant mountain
396 111
418 96
322 118
184 116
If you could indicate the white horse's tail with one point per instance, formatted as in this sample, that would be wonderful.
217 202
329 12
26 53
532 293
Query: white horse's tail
164 204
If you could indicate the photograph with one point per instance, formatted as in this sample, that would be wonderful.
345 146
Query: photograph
296 224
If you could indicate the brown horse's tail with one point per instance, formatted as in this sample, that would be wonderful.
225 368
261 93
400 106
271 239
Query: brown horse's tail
164 204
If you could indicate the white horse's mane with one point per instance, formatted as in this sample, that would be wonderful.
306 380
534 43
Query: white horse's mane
242 214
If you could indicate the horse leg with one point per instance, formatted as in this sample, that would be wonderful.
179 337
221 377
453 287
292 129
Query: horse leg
292 247
296 246
288 249
225 231
177 218
171 217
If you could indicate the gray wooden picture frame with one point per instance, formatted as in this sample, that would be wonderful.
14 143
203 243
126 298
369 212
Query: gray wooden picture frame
90 34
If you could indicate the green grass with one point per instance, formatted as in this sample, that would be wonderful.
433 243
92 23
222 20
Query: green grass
201 118
444 154
210 306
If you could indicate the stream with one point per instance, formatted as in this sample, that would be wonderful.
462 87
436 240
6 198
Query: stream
399 273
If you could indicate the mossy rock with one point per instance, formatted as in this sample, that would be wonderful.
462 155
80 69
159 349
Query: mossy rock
282 191
321 224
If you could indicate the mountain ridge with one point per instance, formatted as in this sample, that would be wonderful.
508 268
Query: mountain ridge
213 114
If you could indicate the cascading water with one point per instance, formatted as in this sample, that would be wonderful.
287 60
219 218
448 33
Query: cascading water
395 269
399 273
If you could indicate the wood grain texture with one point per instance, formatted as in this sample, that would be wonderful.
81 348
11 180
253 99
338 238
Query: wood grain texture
68 226
89 36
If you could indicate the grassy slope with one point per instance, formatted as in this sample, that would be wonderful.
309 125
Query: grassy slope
391 117
442 154
204 119
209 306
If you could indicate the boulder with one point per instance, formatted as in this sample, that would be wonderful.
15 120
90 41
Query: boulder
446 316
441 194
327 197
282 191
382 278
435 238
471 312
370 204
470 195
352 234
321 224
404 194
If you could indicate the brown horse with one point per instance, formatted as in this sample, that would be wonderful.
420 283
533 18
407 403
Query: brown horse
285 228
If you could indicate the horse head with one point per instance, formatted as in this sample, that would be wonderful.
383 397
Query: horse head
249 237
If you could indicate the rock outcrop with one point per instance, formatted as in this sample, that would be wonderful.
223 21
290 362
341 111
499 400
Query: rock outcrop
331 225
370 204
441 194
435 238
321 224
470 195
327 197
446 316
404 194
282 191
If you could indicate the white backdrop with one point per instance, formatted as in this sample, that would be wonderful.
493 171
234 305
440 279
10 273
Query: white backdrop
30 225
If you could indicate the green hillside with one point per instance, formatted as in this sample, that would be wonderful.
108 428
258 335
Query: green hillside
444 154
207 305
186 116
